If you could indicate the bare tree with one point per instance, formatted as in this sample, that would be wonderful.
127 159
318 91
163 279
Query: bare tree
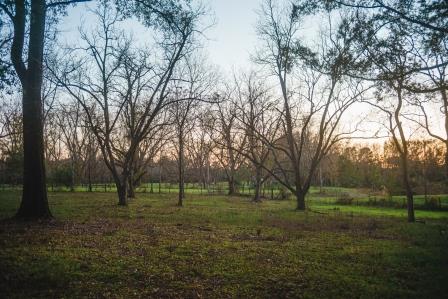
55 150
429 88
200 145
75 136
402 45
7 76
10 121
183 124
194 89
256 112
11 141
394 124
392 67
228 140
90 155
314 91
391 61
121 91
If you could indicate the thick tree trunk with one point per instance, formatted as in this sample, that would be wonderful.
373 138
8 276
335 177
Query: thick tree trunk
300 196
34 197
34 203
122 193
131 187
232 189
410 206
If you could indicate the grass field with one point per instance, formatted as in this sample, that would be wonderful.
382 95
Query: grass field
190 188
220 247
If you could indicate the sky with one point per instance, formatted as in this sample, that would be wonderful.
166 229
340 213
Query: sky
228 43
233 38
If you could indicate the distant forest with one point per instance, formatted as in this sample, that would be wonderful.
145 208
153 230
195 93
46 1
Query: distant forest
375 167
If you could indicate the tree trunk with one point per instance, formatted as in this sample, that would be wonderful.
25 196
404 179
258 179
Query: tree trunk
300 196
160 178
72 182
204 182
122 193
34 203
181 171
410 206
445 110
131 187
404 154
408 187
89 177
232 189
208 176
257 193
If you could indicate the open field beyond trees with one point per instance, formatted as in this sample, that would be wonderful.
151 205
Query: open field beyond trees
219 246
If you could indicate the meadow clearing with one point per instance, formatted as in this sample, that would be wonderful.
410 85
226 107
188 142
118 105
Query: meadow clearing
219 247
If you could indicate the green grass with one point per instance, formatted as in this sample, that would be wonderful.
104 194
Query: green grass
220 247
190 188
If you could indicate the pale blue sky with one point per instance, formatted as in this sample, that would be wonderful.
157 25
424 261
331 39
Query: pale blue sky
230 40
234 34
